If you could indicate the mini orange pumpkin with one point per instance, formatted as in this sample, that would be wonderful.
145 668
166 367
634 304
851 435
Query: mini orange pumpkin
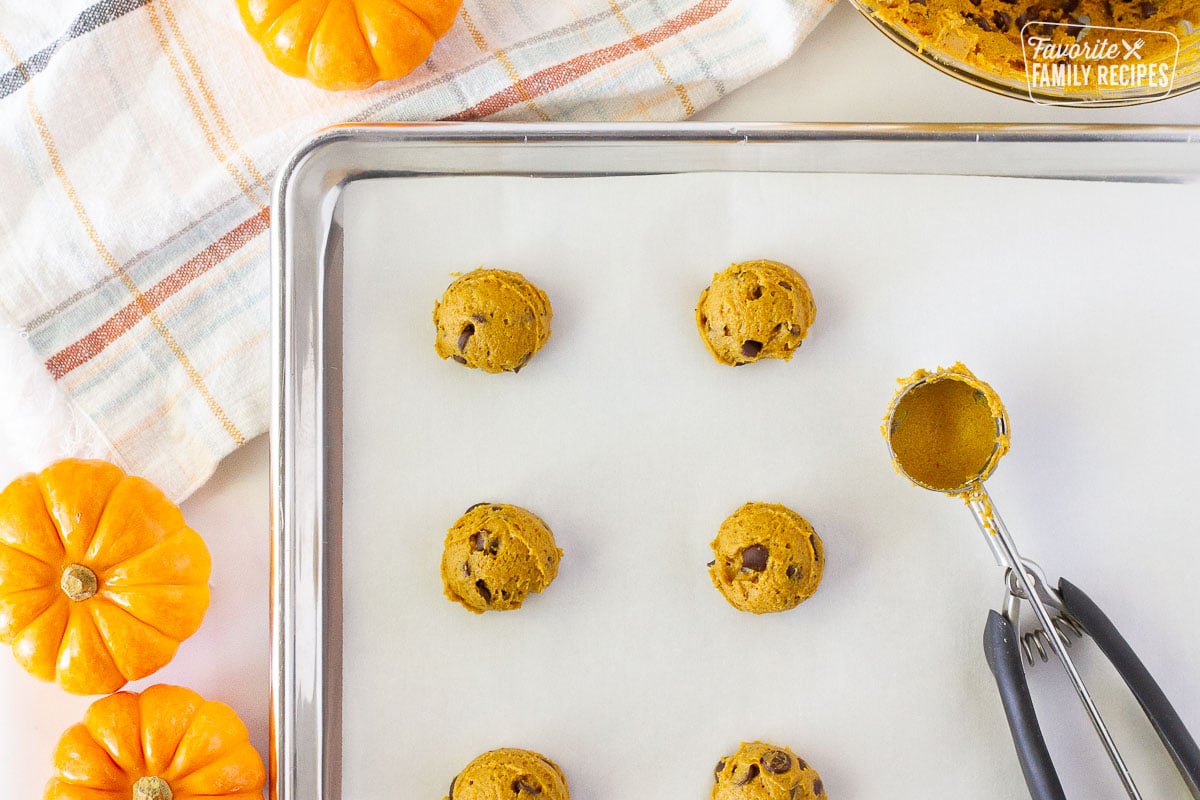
348 44
100 578
168 743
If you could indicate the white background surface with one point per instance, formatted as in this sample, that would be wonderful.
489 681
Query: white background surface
846 71
634 444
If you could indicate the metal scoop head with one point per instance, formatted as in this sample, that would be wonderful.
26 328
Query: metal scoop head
946 430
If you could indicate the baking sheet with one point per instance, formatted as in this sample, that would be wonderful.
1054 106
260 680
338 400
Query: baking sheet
1074 299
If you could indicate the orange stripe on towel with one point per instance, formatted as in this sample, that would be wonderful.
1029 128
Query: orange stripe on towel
85 349
688 108
559 75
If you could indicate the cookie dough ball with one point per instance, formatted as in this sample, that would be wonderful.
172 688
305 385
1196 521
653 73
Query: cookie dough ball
493 320
496 555
756 309
510 773
768 558
759 771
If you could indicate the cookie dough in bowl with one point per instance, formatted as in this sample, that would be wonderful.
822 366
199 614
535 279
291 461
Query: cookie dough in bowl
767 558
760 771
493 320
496 555
510 773
755 310
994 44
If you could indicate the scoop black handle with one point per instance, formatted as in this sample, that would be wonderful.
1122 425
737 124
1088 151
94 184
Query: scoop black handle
1002 648
1158 709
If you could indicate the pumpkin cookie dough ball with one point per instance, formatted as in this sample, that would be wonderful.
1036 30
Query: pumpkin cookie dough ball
759 771
510 773
768 558
493 320
496 555
756 309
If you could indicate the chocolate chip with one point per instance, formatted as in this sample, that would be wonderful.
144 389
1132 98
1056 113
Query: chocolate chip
466 570
1075 28
480 318
526 785
495 508
751 348
459 359
1149 9
756 293
479 540
1002 20
794 573
800 763
717 769
797 793
484 591
1022 19
755 557
785 285
818 788
776 761
467 332
751 774
452 782
477 505
704 320
709 564
981 22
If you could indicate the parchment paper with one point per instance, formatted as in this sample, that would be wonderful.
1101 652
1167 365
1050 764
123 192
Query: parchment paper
1076 301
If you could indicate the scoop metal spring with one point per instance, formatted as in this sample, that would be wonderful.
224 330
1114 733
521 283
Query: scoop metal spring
1038 641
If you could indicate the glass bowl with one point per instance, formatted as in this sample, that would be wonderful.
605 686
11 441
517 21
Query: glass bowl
988 44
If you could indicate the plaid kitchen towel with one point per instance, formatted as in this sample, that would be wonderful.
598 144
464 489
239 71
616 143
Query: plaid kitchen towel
138 143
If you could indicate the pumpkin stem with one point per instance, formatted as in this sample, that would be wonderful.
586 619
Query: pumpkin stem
152 788
79 583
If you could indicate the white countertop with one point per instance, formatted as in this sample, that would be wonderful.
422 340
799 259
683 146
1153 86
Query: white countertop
845 72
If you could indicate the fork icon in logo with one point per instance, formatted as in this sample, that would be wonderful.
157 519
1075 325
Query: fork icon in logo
1133 50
